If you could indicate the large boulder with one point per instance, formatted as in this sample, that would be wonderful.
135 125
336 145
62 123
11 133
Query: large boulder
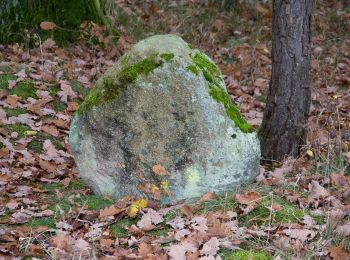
160 124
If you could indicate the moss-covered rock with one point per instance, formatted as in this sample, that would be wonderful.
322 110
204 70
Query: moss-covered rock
162 103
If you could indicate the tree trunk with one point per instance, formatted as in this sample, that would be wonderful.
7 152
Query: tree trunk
284 127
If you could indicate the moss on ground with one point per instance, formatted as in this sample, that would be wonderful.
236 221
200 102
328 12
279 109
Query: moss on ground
79 88
59 106
23 89
4 78
289 213
77 184
212 74
38 140
15 111
40 222
20 129
244 255
94 202
119 228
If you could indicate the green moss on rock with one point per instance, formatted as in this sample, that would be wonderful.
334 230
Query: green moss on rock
109 88
212 74
145 67
202 62
193 69
167 56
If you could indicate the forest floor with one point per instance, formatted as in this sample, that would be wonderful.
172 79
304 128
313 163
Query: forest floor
297 209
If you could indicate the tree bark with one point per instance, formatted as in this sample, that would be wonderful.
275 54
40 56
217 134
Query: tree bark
284 127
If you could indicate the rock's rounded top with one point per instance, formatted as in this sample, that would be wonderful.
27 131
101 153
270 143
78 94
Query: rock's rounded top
153 53
167 43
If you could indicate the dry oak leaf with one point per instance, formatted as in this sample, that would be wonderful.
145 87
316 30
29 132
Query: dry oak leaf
50 129
301 234
111 211
187 210
66 90
48 26
178 252
149 219
207 196
343 230
159 170
211 247
317 191
20 217
249 198
338 253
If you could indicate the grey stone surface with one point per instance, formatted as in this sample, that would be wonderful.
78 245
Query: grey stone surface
165 116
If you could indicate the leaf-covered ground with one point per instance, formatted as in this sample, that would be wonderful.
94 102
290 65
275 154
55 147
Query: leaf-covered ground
297 209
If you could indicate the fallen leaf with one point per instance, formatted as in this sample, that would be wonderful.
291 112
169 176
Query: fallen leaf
111 211
178 252
187 210
338 253
249 198
48 26
136 206
149 219
343 230
316 191
20 217
207 197
211 247
301 234
11 84
159 170
50 129
66 91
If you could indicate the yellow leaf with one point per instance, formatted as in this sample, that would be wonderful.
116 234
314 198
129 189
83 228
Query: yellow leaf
136 206
154 189
310 153
30 133
165 185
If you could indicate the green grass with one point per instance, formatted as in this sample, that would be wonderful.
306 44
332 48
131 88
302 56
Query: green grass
39 222
244 255
118 229
38 140
15 111
23 89
77 184
261 215
20 129
36 144
94 202
59 106
79 88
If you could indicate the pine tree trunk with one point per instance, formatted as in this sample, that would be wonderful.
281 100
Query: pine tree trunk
284 128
